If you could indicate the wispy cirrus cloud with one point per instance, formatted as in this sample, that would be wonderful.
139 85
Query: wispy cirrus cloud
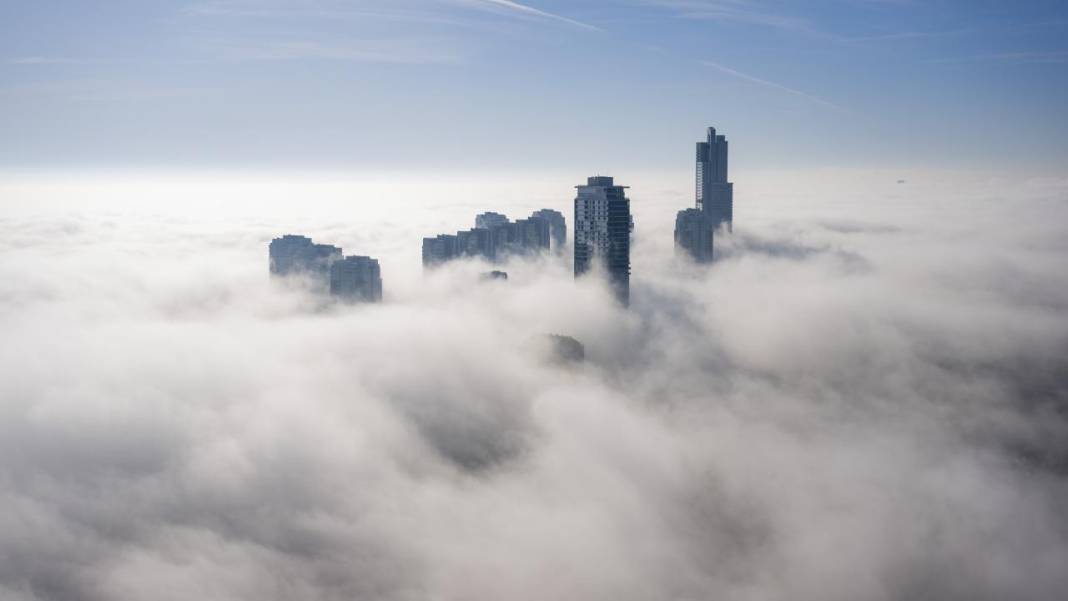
735 11
530 11
361 51
365 31
361 31
366 11
1048 57
769 84
909 35
47 60
434 11
792 17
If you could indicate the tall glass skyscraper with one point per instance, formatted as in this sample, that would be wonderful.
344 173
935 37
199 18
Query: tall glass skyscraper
602 232
715 195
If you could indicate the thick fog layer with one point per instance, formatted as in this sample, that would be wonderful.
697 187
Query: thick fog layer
865 399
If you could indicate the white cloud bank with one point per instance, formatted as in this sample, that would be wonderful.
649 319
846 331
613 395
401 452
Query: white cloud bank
864 401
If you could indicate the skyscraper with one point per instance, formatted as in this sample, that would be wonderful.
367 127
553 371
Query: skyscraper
557 227
715 195
694 233
356 278
602 232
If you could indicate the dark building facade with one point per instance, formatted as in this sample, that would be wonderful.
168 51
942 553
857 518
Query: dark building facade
490 220
715 195
694 234
439 249
603 226
529 236
356 279
298 255
475 243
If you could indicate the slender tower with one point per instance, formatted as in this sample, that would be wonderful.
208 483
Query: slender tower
715 195
602 232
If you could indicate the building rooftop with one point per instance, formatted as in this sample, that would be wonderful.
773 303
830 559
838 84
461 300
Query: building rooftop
600 181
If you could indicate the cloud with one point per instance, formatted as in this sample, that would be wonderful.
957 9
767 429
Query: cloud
393 10
46 60
1012 58
783 424
524 9
769 84
404 32
909 35
361 51
734 11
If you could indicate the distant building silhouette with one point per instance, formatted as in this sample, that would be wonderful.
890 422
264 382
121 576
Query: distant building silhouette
602 232
529 236
495 238
715 195
350 278
356 278
557 227
694 234
439 249
476 242
493 275
298 255
490 220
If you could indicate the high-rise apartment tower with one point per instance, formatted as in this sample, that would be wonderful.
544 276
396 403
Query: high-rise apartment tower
356 278
602 232
299 255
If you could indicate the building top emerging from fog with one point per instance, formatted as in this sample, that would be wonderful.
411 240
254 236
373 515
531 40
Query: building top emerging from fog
353 278
489 220
495 238
715 195
694 234
293 255
602 232
557 227
356 278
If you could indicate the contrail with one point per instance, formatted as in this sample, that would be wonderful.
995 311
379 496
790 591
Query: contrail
770 84
530 10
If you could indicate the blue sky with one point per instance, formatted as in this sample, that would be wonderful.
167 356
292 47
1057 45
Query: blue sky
609 85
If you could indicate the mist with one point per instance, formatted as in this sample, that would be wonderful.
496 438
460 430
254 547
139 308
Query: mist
865 398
